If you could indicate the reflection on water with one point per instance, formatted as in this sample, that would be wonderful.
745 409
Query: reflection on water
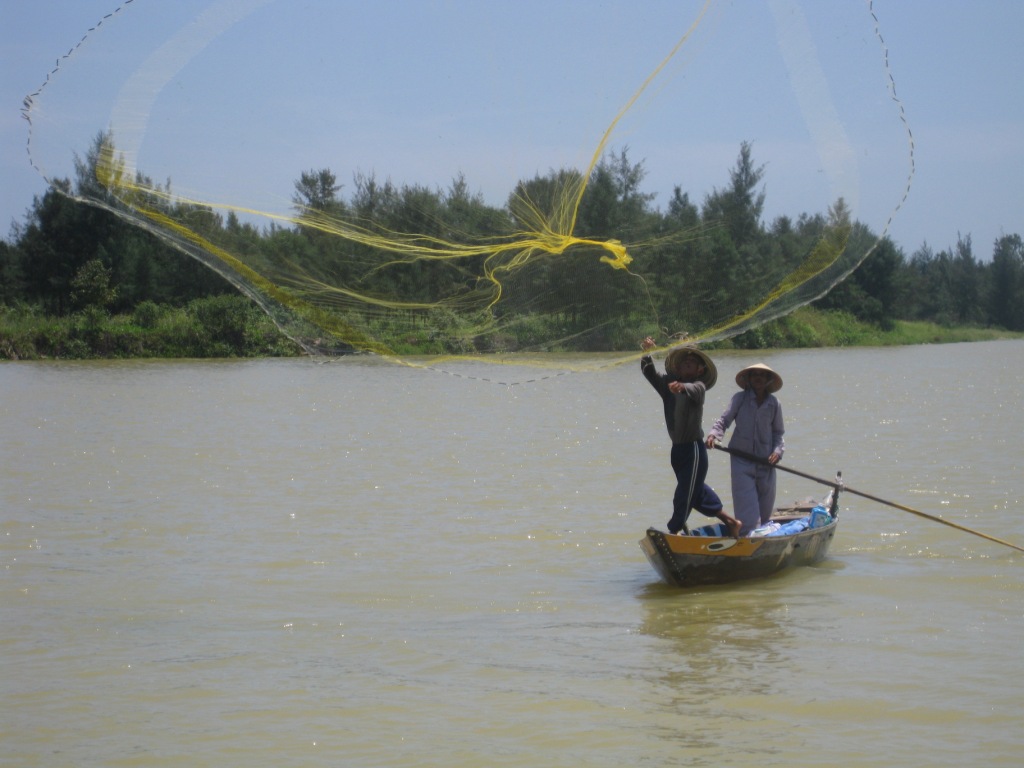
730 645
717 627
296 563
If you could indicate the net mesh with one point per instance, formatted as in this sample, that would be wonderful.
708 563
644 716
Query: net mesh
580 258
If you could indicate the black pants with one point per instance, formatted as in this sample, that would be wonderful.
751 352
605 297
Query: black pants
690 463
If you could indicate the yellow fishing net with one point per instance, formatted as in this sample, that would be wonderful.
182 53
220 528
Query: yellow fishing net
253 111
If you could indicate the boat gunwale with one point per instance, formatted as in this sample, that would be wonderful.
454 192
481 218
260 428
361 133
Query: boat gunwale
703 560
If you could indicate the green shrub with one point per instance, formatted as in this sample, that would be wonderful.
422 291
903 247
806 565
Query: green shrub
147 314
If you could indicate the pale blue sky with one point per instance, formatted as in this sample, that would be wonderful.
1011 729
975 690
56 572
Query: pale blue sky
420 90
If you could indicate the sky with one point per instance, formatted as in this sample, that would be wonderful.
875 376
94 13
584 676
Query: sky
230 100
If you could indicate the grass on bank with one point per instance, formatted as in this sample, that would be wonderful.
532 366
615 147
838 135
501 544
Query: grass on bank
810 327
221 326
232 326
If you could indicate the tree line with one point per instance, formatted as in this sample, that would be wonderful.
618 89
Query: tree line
84 266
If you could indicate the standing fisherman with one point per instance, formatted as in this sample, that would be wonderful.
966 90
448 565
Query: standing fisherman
689 374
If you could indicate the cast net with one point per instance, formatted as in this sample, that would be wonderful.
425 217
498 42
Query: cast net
407 179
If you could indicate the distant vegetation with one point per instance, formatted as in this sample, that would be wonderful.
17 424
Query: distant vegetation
77 281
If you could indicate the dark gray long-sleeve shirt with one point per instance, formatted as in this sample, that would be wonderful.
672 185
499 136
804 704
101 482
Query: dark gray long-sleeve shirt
683 412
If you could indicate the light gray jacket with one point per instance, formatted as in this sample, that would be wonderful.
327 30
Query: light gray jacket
759 429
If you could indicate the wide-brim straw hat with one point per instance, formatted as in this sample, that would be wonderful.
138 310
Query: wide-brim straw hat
710 375
773 385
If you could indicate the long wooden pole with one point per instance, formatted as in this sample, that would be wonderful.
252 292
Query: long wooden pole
842 487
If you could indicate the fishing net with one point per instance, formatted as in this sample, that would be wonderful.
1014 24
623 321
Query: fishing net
458 183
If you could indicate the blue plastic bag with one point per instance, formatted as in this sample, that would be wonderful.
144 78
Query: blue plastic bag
819 517
793 526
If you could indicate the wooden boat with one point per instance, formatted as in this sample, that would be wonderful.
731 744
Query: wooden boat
709 555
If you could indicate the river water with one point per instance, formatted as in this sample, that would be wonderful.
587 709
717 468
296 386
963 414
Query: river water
303 563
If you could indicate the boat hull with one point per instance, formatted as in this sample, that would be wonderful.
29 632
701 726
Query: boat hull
689 561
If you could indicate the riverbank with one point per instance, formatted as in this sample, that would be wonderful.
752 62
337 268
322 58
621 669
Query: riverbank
231 326
216 327
810 327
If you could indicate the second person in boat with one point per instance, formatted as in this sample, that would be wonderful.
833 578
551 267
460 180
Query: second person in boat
759 431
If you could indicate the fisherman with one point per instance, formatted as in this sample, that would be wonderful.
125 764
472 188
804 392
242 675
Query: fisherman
689 373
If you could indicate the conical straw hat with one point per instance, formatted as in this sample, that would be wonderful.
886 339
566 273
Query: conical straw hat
676 355
774 380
